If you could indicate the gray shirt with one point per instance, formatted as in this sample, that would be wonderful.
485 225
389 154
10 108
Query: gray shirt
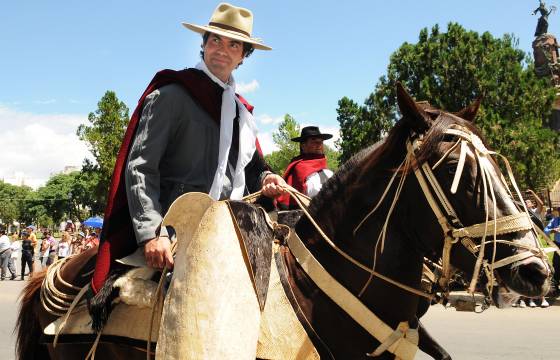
175 151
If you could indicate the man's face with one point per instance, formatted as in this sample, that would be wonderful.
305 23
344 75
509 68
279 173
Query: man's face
312 145
222 55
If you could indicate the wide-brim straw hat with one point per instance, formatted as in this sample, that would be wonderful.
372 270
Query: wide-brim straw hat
232 22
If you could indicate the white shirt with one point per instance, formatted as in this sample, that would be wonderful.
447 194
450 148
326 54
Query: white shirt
63 249
4 243
316 180
16 248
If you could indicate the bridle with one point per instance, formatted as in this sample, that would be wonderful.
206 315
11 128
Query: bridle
453 230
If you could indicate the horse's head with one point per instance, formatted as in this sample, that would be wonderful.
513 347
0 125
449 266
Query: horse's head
485 225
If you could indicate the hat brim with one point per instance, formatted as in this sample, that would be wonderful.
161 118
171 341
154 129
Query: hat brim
227 33
303 138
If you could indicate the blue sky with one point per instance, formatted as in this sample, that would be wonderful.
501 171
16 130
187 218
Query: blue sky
59 57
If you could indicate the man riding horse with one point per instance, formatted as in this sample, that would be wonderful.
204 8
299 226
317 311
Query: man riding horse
190 132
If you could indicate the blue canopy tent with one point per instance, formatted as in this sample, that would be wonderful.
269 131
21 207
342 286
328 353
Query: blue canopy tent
94 222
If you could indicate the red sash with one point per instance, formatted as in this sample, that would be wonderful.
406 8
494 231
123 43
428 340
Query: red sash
298 171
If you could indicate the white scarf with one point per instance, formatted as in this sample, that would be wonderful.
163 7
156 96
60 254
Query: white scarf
247 138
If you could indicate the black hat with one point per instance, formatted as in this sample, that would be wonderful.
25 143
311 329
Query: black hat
311 131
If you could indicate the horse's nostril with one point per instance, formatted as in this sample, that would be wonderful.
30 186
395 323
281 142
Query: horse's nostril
534 272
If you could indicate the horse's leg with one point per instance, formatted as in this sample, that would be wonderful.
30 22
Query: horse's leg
426 343
430 346
211 309
28 326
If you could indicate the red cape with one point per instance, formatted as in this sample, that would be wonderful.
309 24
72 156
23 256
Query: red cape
297 172
117 238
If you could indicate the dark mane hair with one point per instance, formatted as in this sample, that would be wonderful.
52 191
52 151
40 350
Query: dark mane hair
361 170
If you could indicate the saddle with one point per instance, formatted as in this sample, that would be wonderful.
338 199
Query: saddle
197 219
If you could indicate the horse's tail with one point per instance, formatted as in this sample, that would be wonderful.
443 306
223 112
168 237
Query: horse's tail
27 326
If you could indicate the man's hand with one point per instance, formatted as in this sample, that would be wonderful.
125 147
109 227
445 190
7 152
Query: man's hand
273 186
158 253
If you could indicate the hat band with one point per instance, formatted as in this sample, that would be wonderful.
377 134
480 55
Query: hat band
228 27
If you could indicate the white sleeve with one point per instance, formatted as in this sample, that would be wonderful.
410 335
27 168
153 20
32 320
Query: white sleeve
314 183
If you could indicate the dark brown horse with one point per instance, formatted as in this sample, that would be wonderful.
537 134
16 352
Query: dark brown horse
412 233
344 211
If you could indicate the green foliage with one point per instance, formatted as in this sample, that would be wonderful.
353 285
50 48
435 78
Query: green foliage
56 196
333 157
104 136
288 149
13 201
63 196
450 70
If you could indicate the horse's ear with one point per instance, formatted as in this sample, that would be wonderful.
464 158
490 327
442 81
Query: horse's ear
416 117
469 113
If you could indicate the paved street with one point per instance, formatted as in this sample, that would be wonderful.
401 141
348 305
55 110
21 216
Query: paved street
9 291
512 333
495 334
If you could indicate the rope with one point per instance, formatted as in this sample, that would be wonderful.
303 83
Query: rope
70 309
53 300
91 353
383 233
295 195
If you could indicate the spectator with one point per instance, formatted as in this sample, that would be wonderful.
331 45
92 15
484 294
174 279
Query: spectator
548 216
69 227
53 247
91 241
16 250
5 256
44 249
30 229
64 246
27 250
553 227
77 243
308 171
535 204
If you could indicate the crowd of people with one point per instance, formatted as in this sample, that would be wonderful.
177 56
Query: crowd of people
35 253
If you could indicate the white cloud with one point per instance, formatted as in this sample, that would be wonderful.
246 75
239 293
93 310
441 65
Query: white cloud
266 142
45 102
245 88
266 119
33 146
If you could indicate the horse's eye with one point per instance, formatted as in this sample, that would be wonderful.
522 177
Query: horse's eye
451 168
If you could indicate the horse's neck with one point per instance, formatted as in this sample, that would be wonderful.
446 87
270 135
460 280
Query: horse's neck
398 261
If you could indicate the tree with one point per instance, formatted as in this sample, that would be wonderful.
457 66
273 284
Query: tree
104 136
450 70
56 196
13 202
288 149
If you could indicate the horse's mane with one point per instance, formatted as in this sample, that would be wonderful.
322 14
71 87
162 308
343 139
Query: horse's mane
363 168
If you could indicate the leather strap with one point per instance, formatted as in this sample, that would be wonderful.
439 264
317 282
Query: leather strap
403 344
